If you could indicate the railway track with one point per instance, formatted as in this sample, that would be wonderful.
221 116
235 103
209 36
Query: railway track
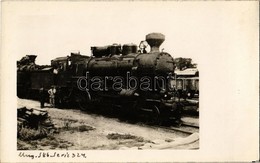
185 128
178 129
189 126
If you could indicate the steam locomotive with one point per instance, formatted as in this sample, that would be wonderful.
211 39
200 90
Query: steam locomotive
114 76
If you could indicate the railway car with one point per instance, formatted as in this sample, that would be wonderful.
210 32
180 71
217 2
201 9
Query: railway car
189 84
187 81
31 77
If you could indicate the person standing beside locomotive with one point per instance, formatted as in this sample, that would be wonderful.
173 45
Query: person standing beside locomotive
52 93
42 97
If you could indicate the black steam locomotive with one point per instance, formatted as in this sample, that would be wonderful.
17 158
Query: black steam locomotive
115 76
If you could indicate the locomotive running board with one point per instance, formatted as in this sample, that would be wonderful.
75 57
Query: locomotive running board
152 100
147 110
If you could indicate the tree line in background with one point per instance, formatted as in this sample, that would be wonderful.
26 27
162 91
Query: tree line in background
184 63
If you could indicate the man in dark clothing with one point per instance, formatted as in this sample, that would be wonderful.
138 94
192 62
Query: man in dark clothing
42 97
184 94
179 93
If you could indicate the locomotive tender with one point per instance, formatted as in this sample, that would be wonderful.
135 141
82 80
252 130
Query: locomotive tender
114 76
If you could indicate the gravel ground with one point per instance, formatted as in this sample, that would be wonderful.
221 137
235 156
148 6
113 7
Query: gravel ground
80 131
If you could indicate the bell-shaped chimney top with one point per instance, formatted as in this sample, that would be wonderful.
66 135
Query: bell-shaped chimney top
155 40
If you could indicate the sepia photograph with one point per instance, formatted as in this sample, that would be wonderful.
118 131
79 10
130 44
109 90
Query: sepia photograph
117 97
130 80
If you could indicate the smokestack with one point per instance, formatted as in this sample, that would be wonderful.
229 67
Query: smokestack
155 40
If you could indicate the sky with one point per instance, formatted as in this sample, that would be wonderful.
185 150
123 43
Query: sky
55 29
50 30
